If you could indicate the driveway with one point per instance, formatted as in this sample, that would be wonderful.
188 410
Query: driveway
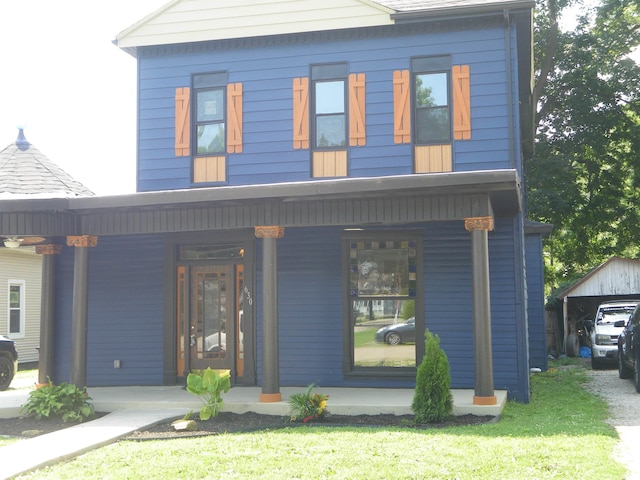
624 414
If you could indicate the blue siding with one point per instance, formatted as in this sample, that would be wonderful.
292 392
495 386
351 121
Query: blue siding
311 299
125 316
266 74
535 304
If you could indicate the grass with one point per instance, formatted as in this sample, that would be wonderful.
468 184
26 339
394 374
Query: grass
364 337
561 434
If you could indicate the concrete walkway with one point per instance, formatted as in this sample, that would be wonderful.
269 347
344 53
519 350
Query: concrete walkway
133 408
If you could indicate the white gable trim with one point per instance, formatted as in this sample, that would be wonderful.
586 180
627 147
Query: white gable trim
183 21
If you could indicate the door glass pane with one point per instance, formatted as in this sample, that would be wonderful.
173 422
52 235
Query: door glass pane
211 316
384 333
431 90
433 125
330 131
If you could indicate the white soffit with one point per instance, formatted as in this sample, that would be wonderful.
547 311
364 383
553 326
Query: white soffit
183 21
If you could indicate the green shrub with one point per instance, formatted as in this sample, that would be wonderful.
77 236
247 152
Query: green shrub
408 309
307 406
432 401
209 385
66 401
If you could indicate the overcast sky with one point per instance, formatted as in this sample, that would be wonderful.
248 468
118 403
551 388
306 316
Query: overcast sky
73 90
61 77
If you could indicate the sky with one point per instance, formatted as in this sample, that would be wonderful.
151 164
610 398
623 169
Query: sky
72 90
62 78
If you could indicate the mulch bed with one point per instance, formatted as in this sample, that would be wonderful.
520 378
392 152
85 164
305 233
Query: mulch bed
227 422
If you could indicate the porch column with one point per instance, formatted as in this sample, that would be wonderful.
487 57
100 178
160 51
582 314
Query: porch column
270 361
482 354
46 352
79 309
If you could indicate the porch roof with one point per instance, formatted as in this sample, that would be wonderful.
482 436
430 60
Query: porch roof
375 200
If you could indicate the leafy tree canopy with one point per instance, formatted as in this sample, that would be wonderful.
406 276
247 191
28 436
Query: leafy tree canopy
584 177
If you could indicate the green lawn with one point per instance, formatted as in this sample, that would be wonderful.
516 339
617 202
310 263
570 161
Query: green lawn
561 434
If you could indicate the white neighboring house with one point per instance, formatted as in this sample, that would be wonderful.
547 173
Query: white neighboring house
20 287
27 173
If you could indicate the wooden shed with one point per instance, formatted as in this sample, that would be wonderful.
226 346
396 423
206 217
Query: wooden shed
617 278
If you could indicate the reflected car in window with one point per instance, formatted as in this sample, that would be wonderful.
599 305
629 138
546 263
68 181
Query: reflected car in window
398 333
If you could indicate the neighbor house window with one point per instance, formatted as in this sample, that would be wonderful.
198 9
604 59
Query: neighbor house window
383 289
16 314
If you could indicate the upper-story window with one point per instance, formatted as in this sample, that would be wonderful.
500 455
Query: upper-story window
329 108
431 91
209 125
329 117
210 117
432 109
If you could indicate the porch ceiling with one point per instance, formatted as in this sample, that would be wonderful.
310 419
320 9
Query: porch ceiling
349 201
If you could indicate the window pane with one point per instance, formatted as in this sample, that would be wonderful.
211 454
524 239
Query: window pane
329 97
330 131
383 272
14 296
14 321
210 106
431 90
384 333
433 125
211 138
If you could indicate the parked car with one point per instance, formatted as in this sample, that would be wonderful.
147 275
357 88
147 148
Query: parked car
8 361
611 318
398 333
629 349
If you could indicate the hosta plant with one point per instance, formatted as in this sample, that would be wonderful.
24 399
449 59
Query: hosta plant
65 400
209 385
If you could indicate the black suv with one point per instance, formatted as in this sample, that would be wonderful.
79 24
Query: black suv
8 361
629 349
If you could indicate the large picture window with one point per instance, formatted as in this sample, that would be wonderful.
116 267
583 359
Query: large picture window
383 288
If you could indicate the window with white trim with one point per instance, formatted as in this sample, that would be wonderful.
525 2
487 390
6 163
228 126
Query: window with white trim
16 306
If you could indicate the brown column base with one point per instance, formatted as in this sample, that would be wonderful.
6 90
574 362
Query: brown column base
270 397
41 385
485 400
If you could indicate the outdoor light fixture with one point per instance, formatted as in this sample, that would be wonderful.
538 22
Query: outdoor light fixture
12 242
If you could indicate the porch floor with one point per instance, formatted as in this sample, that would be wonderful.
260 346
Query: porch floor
342 401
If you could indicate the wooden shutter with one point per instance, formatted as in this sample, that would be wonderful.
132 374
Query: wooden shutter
300 113
234 118
401 107
461 103
183 121
357 127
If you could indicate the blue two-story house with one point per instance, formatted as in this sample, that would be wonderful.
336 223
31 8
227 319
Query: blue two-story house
308 172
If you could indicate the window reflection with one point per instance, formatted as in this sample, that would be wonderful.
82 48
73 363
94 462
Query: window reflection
384 333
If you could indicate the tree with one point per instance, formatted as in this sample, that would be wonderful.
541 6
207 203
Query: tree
584 176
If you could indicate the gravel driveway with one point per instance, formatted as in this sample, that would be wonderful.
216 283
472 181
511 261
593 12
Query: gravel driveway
624 414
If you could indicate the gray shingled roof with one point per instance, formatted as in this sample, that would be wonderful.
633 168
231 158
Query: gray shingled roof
423 5
27 173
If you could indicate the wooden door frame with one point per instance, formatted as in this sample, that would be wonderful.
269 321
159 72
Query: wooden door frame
247 239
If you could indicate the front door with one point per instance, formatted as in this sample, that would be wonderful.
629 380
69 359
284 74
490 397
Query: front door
211 337
210 318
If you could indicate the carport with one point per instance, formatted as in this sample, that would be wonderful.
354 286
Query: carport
617 278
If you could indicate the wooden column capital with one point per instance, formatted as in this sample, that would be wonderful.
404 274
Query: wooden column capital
82 240
478 223
269 231
49 249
